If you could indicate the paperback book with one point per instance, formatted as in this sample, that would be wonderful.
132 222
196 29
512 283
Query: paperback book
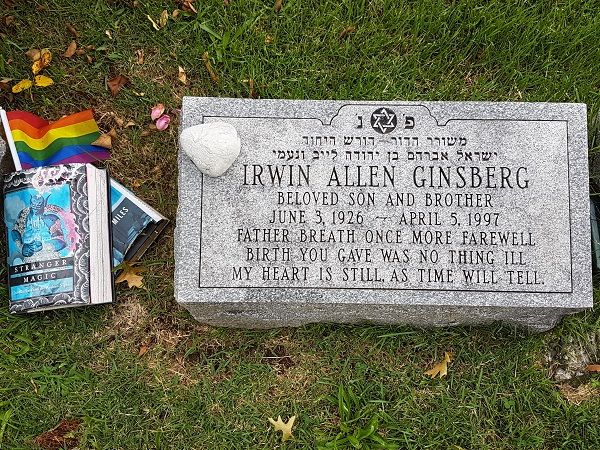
58 237
135 224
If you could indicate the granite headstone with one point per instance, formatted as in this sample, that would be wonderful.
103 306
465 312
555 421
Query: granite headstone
421 213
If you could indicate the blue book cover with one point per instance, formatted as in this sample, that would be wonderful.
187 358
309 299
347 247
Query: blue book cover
58 237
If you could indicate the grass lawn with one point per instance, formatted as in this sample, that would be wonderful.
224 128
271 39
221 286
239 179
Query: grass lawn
198 387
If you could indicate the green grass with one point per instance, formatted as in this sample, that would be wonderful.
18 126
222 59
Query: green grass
199 387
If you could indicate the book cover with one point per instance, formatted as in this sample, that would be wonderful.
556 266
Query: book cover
135 225
52 237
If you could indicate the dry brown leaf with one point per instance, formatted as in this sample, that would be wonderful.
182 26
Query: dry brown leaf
21 86
593 368
139 56
104 140
182 76
5 83
43 81
62 436
80 51
115 84
278 5
187 6
89 59
209 68
252 93
440 368
70 51
226 2
8 20
268 39
33 54
130 273
175 14
346 31
129 123
71 29
164 18
151 129
143 350
285 428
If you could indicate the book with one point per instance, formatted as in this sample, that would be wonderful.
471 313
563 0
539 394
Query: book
135 224
58 237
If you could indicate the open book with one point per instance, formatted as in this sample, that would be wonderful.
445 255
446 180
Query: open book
58 237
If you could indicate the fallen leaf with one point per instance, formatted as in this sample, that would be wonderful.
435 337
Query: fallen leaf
139 56
33 54
119 121
70 51
154 24
43 61
89 59
278 5
593 368
72 30
62 436
21 86
182 76
108 33
143 350
164 18
5 83
226 2
80 51
268 39
252 91
130 273
115 84
130 123
346 31
285 428
213 75
187 6
43 81
8 20
175 14
440 368
136 183
112 133
104 140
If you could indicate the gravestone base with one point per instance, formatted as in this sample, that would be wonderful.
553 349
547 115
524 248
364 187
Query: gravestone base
413 213
264 315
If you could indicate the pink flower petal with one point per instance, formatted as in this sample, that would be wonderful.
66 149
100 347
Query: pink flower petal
163 122
157 111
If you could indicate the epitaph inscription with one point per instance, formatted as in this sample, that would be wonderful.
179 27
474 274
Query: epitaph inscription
388 204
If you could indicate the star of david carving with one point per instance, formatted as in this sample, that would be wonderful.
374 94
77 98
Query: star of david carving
384 120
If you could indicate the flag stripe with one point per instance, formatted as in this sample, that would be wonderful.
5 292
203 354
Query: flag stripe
76 153
38 122
56 146
40 143
31 119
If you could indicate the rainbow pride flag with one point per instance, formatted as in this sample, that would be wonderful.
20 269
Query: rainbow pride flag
38 142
